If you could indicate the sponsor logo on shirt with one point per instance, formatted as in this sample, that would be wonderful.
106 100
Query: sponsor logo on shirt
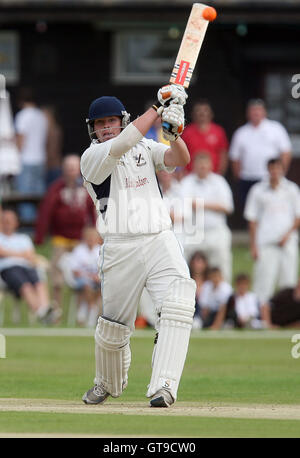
131 183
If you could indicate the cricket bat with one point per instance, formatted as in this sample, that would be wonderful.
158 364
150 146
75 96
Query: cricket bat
190 46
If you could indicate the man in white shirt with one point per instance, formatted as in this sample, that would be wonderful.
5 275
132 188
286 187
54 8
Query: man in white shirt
273 211
9 154
253 144
31 129
210 193
139 248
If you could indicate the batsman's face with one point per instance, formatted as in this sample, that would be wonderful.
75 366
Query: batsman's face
107 128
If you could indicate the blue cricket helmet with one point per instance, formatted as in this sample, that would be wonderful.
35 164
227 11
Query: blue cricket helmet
103 107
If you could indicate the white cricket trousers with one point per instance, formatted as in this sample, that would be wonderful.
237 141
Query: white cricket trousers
128 264
216 245
275 266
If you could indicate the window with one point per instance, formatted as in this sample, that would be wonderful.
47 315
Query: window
9 57
145 57
282 106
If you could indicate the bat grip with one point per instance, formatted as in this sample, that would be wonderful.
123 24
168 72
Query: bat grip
166 127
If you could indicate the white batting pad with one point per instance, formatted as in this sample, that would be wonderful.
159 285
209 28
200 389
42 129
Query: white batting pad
173 338
113 355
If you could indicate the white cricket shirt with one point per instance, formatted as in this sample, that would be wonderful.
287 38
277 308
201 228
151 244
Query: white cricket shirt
212 298
15 242
32 124
274 210
125 191
247 306
213 189
254 146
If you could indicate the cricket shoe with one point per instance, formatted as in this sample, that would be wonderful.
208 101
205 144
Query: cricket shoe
162 398
95 395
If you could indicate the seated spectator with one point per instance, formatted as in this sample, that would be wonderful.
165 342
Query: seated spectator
214 295
283 309
198 267
18 267
84 261
242 309
204 136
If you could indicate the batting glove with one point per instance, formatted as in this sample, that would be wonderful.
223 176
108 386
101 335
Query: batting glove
172 93
172 122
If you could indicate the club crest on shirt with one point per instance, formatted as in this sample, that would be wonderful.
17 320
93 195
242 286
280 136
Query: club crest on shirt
139 159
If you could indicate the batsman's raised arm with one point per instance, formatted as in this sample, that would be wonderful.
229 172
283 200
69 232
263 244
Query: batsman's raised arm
113 136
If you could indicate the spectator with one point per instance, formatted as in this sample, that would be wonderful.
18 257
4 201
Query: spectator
242 309
169 187
213 297
54 145
254 144
198 267
64 212
204 136
18 267
84 263
31 129
10 165
273 211
209 192
283 309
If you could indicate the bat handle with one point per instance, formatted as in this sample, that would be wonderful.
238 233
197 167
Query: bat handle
166 127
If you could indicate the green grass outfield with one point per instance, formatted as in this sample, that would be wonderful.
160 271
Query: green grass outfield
235 384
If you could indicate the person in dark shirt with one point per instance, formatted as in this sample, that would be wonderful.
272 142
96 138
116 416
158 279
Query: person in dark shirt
283 309
64 212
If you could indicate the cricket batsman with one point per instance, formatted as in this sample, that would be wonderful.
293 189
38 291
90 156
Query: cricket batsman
139 250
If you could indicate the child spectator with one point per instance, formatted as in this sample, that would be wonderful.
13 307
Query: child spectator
213 297
84 263
243 308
